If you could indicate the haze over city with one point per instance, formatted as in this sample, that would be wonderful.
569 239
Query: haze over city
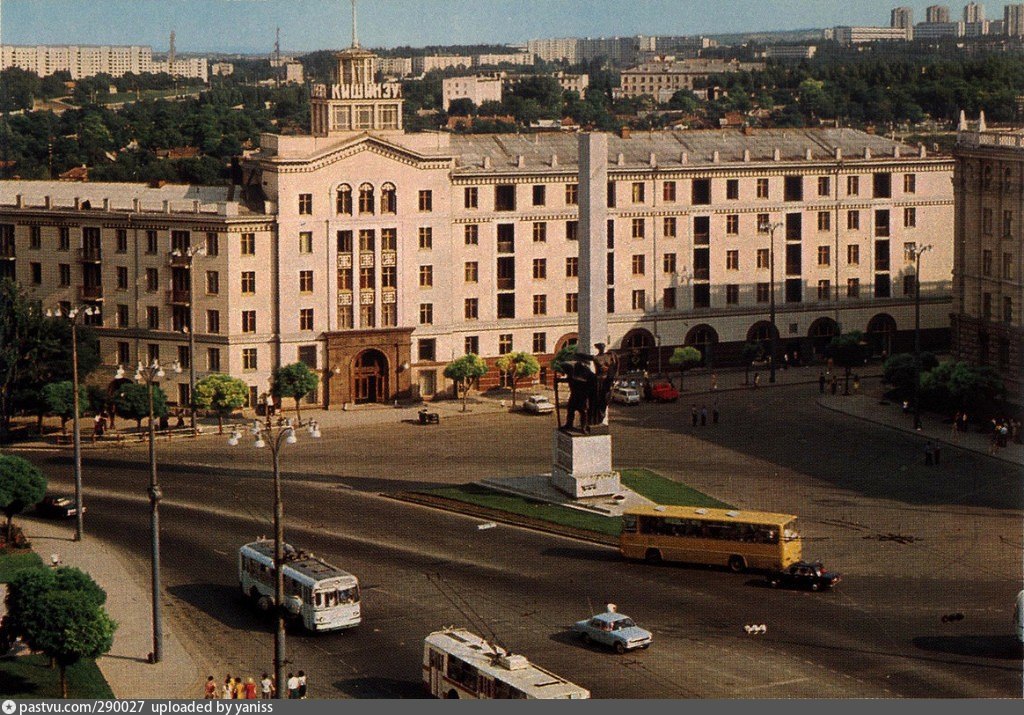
248 25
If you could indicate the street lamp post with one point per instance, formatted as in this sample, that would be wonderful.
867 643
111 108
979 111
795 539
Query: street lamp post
917 333
151 375
265 435
189 254
771 227
76 428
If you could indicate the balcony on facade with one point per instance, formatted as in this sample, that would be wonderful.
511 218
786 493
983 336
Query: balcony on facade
92 292
89 254
179 296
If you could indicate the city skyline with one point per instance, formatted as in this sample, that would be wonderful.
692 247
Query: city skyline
248 26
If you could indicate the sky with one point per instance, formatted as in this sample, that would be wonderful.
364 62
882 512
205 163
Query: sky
248 25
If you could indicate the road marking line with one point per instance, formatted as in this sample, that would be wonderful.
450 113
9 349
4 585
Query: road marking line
775 684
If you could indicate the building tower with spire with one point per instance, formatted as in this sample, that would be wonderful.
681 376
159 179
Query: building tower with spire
354 101
170 53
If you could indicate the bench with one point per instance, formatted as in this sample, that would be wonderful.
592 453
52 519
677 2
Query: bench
429 418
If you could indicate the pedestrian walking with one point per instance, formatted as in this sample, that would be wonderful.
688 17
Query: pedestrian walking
210 692
785 361
239 689
228 688
250 689
856 383
714 382
293 687
302 685
703 415
821 382
796 358
929 454
834 385
266 687
757 379
693 414
714 413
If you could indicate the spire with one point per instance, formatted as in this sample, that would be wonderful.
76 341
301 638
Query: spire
355 36
962 125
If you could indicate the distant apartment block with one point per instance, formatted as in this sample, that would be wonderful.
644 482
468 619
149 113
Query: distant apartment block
394 66
90 60
1013 20
902 17
222 69
663 79
518 58
477 89
974 12
293 73
938 30
619 50
422 65
936 14
846 35
790 52
577 83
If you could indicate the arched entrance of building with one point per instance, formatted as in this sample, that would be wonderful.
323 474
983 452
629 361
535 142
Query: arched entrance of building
567 339
881 334
370 377
704 338
821 333
637 347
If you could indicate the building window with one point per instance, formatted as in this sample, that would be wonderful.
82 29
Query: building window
764 258
1007 309
986 221
152 353
668 263
638 228
426 236
212 244
368 315
248 359
65 275
426 276
1007 223
732 189
36 270
824 185
732 260
668 298
638 192
248 282
763 292
539 195
540 268
572 230
540 231
367 240
668 191
540 305
345 317
472 345
472 271
213 321
824 290
909 283
122 316
35 238
732 224
986 263
124 356
248 244
305 242
305 281
1008 266
572 194
572 302
367 277
389 277
824 221
853 255
824 255
344 242
472 234
152 280
152 241
762 189
248 321
426 350
504 343
669 227
639 300
426 313
540 343
365 199
910 183
611 300
426 200
388 199
305 319
344 279
639 264
572 267
732 294
472 308
853 220
152 317
305 204
505 197
853 186
764 224
122 277
909 217
470 197
853 287
343 200
700 192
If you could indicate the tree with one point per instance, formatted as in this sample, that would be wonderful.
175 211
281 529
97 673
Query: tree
296 381
750 353
61 614
848 351
463 372
462 107
959 385
60 400
684 358
516 366
21 485
901 373
132 402
221 393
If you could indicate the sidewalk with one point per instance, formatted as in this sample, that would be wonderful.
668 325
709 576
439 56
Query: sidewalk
125 667
869 407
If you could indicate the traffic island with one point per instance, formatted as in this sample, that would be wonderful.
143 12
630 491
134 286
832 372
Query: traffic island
513 501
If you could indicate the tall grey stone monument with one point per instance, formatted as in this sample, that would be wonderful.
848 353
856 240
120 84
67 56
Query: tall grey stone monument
583 459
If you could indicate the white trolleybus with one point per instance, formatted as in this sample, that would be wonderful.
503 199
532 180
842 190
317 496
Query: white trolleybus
322 596
458 664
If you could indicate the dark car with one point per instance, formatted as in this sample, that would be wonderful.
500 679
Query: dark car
804 574
57 507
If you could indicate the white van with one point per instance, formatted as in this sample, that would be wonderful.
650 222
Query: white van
625 395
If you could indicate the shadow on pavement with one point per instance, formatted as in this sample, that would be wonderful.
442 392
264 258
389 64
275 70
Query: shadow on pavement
381 688
1001 647
223 603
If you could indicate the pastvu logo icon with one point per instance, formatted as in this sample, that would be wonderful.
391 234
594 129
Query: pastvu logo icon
9 707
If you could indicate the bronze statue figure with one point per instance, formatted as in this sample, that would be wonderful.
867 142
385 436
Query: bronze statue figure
589 387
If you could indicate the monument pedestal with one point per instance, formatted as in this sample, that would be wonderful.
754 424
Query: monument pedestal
583 465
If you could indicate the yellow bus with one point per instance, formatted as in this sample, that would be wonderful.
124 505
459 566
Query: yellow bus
739 540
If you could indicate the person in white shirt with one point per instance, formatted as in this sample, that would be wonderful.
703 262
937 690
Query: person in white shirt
302 685
293 687
266 687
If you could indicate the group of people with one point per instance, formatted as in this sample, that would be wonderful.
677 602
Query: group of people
1003 430
249 689
702 415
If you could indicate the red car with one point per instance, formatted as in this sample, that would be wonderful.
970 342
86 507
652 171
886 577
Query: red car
664 392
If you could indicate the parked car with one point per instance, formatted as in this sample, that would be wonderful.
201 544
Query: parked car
57 507
625 395
614 630
663 391
804 574
538 405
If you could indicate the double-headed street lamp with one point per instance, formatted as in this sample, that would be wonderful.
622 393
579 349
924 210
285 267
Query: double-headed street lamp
770 228
188 254
72 317
274 437
150 375
917 251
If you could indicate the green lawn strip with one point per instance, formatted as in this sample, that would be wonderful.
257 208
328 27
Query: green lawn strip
12 560
665 491
30 676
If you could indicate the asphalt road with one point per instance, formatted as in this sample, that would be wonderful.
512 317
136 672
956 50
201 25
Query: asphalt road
914 544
